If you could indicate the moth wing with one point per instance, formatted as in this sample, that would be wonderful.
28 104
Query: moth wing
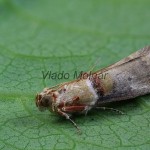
140 53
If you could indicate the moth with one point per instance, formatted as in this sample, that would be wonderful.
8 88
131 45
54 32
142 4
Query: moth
126 79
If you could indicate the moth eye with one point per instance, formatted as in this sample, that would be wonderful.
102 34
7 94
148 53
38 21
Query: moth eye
46 101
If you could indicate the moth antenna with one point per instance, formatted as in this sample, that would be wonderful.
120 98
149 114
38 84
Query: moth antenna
92 67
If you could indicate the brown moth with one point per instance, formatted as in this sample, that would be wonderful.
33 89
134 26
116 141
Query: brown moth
126 79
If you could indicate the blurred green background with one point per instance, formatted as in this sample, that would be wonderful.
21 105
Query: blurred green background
67 35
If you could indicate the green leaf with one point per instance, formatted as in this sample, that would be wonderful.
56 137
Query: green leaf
67 35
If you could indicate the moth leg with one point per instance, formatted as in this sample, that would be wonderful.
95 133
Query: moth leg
68 117
112 109
72 109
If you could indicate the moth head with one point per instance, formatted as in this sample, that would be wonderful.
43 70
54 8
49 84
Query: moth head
43 101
